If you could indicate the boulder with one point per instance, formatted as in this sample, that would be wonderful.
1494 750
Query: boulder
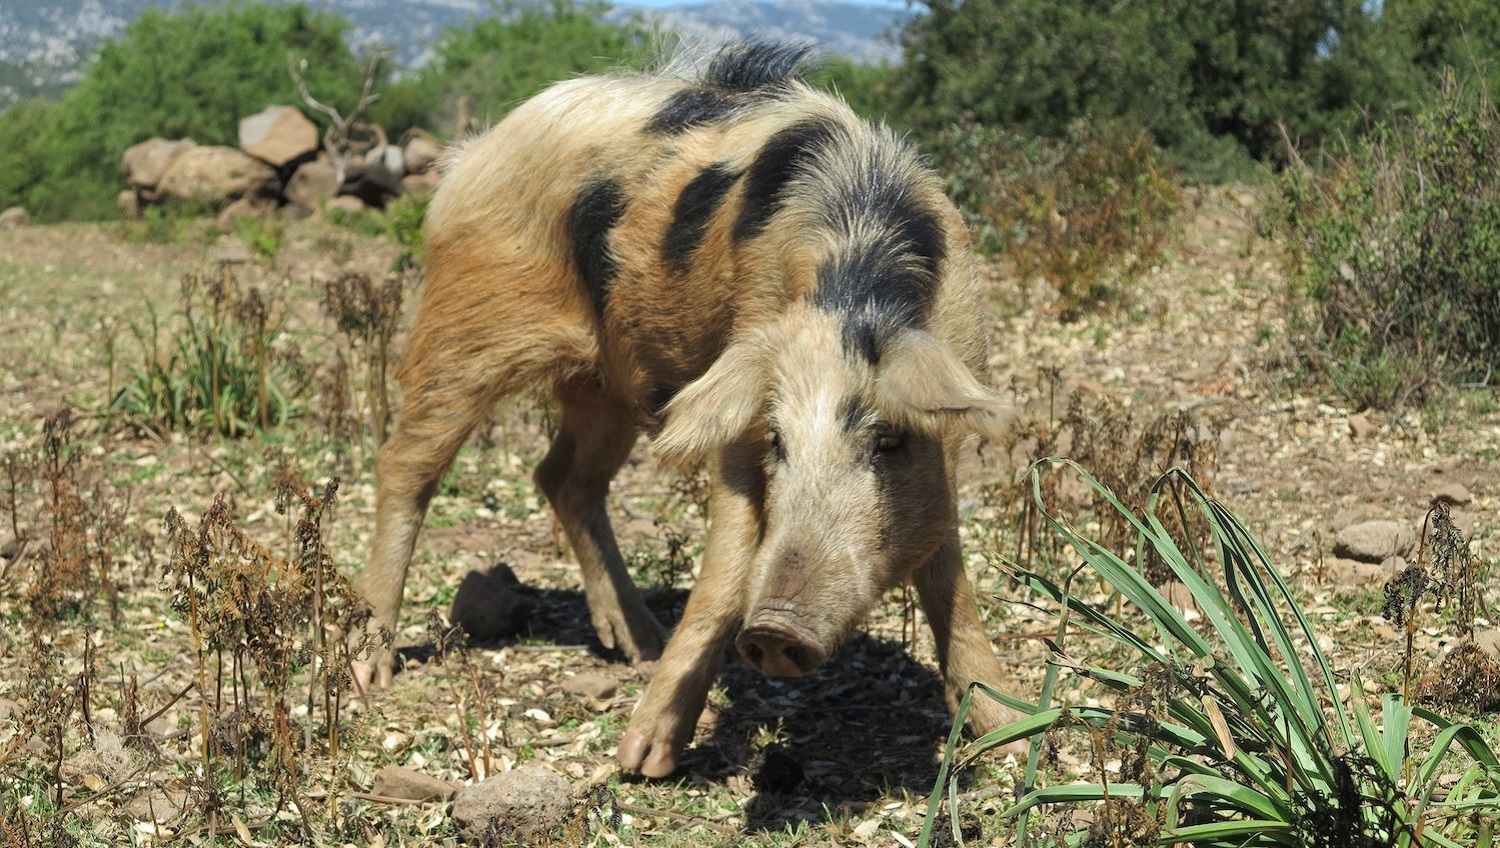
278 135
147 162
14 218
313 184
215 175
370 182
129 204
424 181
346 204
422 154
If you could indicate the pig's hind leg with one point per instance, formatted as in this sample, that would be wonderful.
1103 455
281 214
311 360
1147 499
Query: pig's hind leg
593 440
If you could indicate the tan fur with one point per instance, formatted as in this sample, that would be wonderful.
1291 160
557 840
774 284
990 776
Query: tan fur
799 548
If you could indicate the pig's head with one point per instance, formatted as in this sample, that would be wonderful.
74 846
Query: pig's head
849 457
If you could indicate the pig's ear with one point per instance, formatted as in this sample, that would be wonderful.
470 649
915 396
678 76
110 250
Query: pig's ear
717 407
921 380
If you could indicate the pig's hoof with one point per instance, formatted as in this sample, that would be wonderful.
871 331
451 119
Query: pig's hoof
641 640
637 753
369 676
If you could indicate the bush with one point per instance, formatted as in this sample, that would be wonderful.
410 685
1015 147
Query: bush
1088 214
1393 254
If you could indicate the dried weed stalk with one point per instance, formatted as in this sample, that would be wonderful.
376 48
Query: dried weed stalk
367 315
259 623
1447 570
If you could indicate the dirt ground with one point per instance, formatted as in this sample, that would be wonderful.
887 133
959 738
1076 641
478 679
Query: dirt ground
846 756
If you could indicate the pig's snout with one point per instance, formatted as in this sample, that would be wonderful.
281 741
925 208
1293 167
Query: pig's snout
776 647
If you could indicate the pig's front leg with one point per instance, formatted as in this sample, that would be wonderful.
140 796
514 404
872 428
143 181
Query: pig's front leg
667 715
964 652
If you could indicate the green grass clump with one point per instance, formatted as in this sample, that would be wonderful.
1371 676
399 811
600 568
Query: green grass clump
213 366
1235 731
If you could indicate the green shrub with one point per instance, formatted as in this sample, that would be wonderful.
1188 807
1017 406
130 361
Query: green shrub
1394 255
213 366
1088 214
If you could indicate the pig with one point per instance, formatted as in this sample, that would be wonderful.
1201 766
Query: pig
768 286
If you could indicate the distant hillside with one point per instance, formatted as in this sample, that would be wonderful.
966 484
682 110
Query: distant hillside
43 46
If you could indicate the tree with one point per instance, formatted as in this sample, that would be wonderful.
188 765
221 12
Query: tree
193 73
494 63
1188 71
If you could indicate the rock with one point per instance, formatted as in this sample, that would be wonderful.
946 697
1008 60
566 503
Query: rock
422 154
215 175
250 206
278 135
410 785
1374 541
129 204
370 182
1361 427
523 805
589 685
346 204
393 159
147 162
425 181
488 606
157 804
1354 574
313 184
1353 515
14 218
1489 641
1453 494
228 250
1179 596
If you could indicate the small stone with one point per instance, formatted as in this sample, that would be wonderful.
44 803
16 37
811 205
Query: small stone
157 805
1488 641
1453 494
596 686
524 805
228 250
410 785
1354 574
1179 596
1374 541
1361 427
487 605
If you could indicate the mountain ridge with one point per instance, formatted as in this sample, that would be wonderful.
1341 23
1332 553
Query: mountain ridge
44 47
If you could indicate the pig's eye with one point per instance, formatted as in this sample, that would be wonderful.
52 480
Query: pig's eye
776 447
887 442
